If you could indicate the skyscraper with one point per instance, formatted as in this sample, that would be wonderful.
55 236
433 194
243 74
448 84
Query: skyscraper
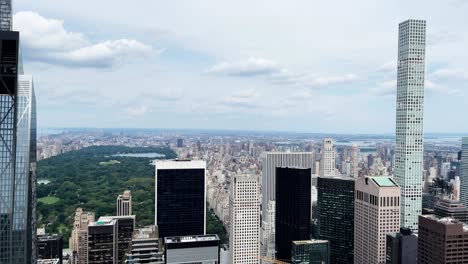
310 251
293 206
409 119
445 207
327 164
78 243
442 240
402 248
335 216
180 195
50 247
18 155
124 203
376 214
270 161
6 20
244 224
464 173
354 161
102 242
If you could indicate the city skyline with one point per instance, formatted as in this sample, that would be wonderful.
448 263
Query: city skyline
250 80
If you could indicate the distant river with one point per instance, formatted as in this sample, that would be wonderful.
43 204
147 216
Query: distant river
141 155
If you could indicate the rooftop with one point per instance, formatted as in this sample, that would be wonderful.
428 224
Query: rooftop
383 181
179 164
447 221
312 241
188 239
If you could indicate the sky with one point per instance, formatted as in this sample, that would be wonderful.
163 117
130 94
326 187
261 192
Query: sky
301 65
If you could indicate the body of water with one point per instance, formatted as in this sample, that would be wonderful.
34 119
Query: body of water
141 155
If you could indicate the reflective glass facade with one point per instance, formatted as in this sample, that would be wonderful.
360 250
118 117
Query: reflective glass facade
335 220
293 205
180 199
17 157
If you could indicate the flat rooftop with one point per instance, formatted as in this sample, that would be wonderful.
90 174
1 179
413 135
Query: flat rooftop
179 164
383 181
446 221
312 241
189 239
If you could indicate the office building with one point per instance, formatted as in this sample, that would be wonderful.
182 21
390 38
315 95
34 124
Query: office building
244 224
328 162
409 119
102 242
203 249
293 209
180 142
145 247
50 247
78 242
180 196
442 240
464 173
18 158
48 261
335 216
109 239
272 160
354 160
376 214
124 203
402 248
446 207
310 252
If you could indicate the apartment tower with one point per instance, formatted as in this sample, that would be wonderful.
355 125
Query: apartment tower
124 203
409 119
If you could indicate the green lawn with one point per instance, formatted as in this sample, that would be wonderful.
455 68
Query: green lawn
48 200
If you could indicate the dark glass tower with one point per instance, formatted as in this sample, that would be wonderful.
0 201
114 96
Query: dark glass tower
180 197
335 206
50 247
17 156
293 205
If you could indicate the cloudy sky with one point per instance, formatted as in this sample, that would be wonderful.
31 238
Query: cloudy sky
309 66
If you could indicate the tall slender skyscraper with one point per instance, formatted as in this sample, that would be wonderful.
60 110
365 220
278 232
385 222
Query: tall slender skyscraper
244 213
180 197
18 150
409 119
354 161
464 173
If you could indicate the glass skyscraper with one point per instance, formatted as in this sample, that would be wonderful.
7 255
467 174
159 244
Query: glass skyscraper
409 119
17 156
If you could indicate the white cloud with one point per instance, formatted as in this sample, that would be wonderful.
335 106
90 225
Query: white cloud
47 40
244 99
275 74
451 73
388 66
136 111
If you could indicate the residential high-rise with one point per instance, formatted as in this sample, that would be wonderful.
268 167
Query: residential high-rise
18 158
203 249
180 197
244 224
124 203
442 240
354 161
464 173
50 247
310 251
293 206
78 242
409 119
376 214
335 216
6 19
328 162
402 248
